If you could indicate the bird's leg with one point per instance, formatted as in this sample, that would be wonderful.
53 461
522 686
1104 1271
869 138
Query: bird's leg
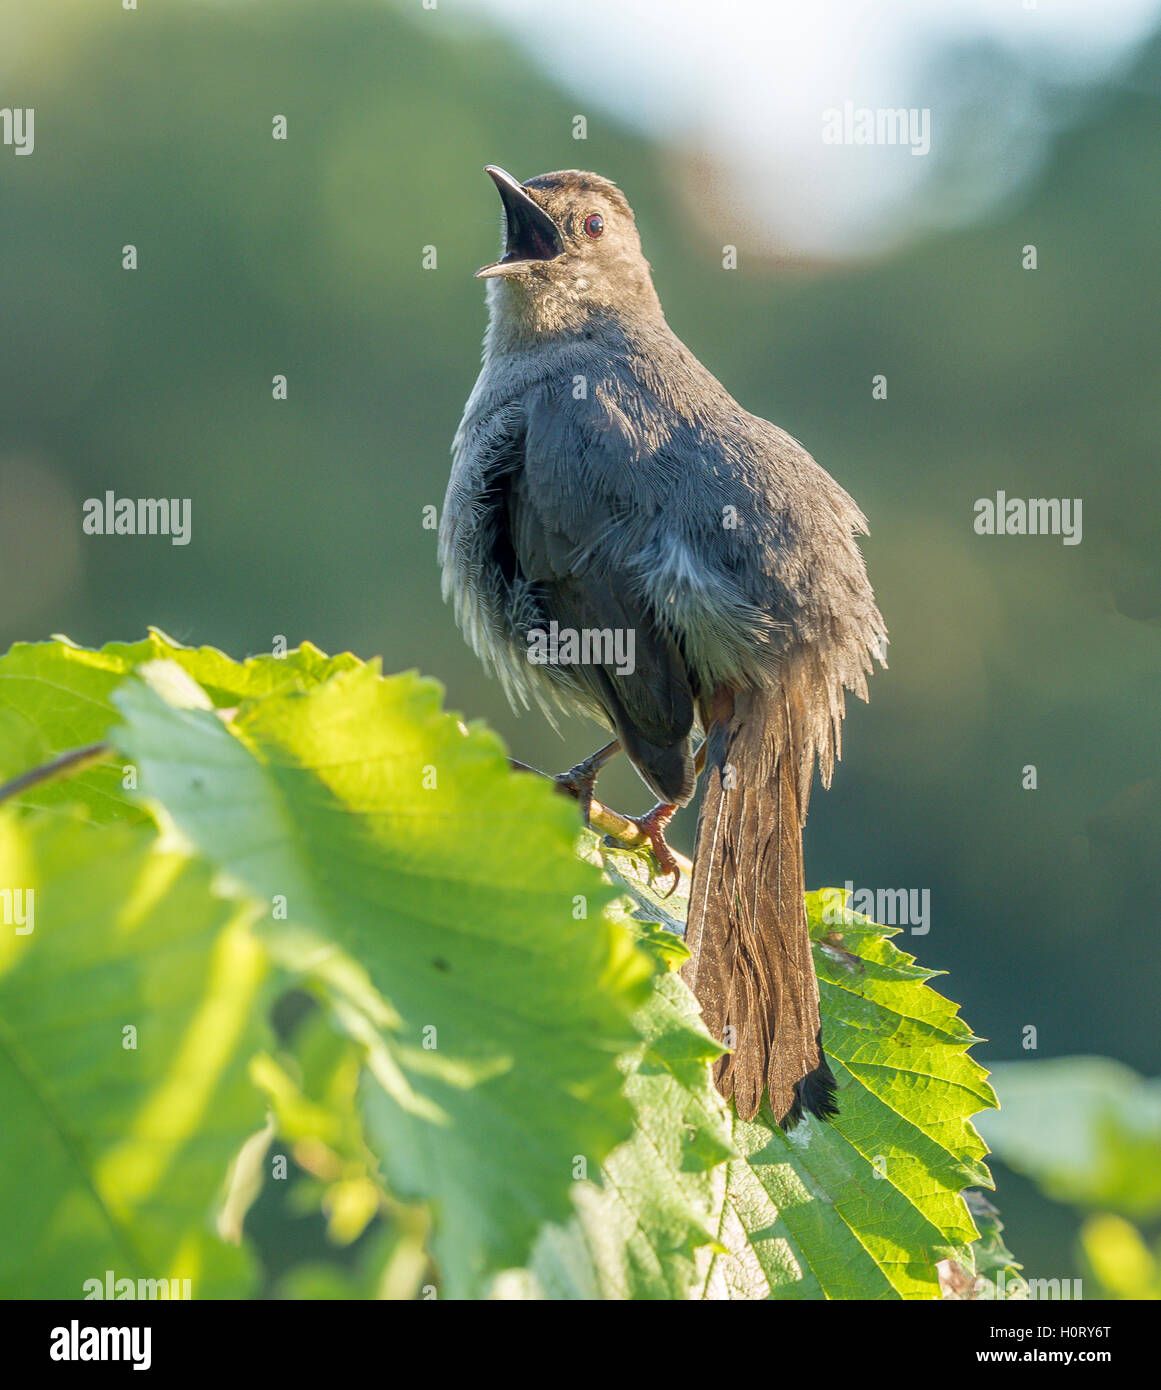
652 825
580 780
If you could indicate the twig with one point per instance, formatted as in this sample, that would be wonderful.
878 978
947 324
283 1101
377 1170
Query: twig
602 819
64 765
606 821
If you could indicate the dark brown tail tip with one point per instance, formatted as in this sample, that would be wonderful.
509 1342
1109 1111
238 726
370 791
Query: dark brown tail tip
816 1094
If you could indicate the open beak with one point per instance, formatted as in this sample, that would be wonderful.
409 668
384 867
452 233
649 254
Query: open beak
529 233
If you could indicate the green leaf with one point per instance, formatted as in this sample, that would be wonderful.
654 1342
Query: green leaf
991 1272
433 899
1086 1129
1117 1260
389 1266
113 1157
313 1092
55 696
635 1233
496 1032
867 1205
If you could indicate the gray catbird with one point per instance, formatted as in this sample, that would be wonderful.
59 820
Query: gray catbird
605 483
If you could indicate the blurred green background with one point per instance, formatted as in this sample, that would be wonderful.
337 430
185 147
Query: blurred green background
304 257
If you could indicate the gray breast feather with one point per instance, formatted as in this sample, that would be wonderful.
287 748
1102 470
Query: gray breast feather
722 527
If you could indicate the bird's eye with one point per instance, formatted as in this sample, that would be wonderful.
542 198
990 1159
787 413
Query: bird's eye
594 225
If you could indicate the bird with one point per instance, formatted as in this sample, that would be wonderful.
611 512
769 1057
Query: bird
604 481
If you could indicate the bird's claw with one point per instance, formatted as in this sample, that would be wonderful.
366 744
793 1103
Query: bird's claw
652 825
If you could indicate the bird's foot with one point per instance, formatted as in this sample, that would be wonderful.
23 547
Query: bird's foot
581 780
652 825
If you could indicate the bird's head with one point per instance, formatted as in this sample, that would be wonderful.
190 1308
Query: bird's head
570 248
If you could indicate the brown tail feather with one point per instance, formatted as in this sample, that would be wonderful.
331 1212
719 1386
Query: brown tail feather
751 966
